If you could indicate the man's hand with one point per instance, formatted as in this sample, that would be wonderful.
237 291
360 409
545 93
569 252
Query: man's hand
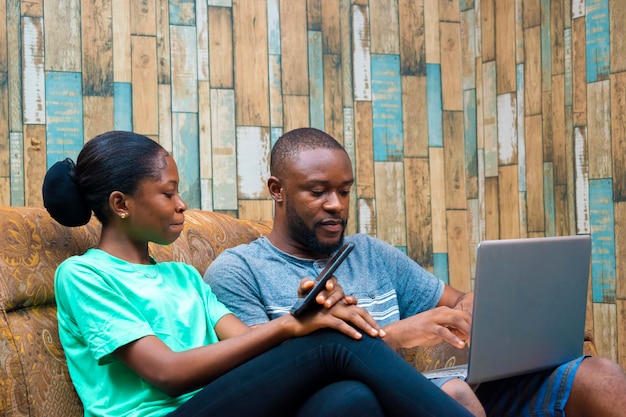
441 324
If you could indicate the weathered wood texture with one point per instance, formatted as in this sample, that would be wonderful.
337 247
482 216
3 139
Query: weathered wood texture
466 120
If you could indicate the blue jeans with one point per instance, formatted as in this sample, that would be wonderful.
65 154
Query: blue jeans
280 381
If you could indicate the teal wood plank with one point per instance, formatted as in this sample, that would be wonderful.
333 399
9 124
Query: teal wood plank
597 29
16 148
387 108
345 31
471 150
273 27
202 36
275 90
253 157
440 267
222 3
435 105
184 69
122 106
490 117
182 12
548 199
186 151
466 5
521 138
224 149
316 80
546 47
64 115
275 133
602 221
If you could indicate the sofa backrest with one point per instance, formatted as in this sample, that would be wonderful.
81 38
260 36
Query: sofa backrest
34 380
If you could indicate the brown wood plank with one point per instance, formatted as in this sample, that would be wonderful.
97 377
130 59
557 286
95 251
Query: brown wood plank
415 116
458 250
62 27
221 47
97 51
144 85
617 15
165 117
390 198
364 149
532 71
488 29
505 46
384 29
621 332
5 169
619 210
431 31
204 130
534 174
314 14
97 116
451 72
295 112
256 210
418 220
449 10
508 202
557 36
3 38
143 16
120 10
546 104
605 329
558 129
618 134
561 212
164 71
492 215
333 105
438 199
331 25
454 160
579 72
34 163
32 8
532 13
412 37
599 129
250 38
293 44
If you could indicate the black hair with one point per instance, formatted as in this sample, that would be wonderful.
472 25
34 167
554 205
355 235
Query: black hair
111 161
289 145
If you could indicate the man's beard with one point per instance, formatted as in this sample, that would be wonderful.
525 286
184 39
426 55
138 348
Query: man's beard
305 235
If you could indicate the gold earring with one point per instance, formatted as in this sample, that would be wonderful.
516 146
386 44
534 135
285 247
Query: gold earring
123 215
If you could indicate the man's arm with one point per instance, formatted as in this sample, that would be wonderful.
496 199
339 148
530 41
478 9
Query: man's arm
449 322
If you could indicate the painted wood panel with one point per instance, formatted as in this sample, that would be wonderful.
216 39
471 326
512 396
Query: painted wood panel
390 197
63 27
122 106
333 92
387 108
184 69
384 27
144 86
120 10
364 149
294 47
438 199
33 71
451 70
458 251
601 219
97 48
418 218
505 45
454 153
361 55
599 129
618 134
221 47
415 114
598 40
412 37
253 162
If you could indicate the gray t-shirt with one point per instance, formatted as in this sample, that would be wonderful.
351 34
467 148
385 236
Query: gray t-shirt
258 282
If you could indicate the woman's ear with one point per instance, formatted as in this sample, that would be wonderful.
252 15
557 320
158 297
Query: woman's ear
117 203
276 189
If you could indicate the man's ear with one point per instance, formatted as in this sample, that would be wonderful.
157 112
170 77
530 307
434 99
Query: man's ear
117 203
275 188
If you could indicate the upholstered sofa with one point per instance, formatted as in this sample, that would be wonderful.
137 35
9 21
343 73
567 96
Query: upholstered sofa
34 380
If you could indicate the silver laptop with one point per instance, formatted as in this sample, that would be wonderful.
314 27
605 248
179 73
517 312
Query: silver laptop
530 301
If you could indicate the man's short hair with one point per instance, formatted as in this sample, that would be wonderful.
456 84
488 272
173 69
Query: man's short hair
289 145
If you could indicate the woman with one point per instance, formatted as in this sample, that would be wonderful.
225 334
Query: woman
150 339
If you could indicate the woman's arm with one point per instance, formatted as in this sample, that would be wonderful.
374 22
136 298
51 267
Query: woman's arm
178 372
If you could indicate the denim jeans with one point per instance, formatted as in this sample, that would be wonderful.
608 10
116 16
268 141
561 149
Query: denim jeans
280 381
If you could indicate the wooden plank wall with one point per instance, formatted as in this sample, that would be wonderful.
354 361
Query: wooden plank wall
466 119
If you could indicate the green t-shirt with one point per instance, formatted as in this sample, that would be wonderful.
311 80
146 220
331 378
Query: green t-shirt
105 303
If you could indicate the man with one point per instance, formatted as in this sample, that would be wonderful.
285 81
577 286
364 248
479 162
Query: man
311 177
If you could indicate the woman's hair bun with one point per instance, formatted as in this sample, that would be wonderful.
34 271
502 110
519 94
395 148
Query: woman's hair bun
62 197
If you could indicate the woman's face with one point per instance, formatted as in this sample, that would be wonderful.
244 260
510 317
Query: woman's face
156 210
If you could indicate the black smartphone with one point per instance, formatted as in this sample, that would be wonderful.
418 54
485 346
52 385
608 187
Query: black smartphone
305 303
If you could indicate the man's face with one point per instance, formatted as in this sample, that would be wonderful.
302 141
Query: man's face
317 199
